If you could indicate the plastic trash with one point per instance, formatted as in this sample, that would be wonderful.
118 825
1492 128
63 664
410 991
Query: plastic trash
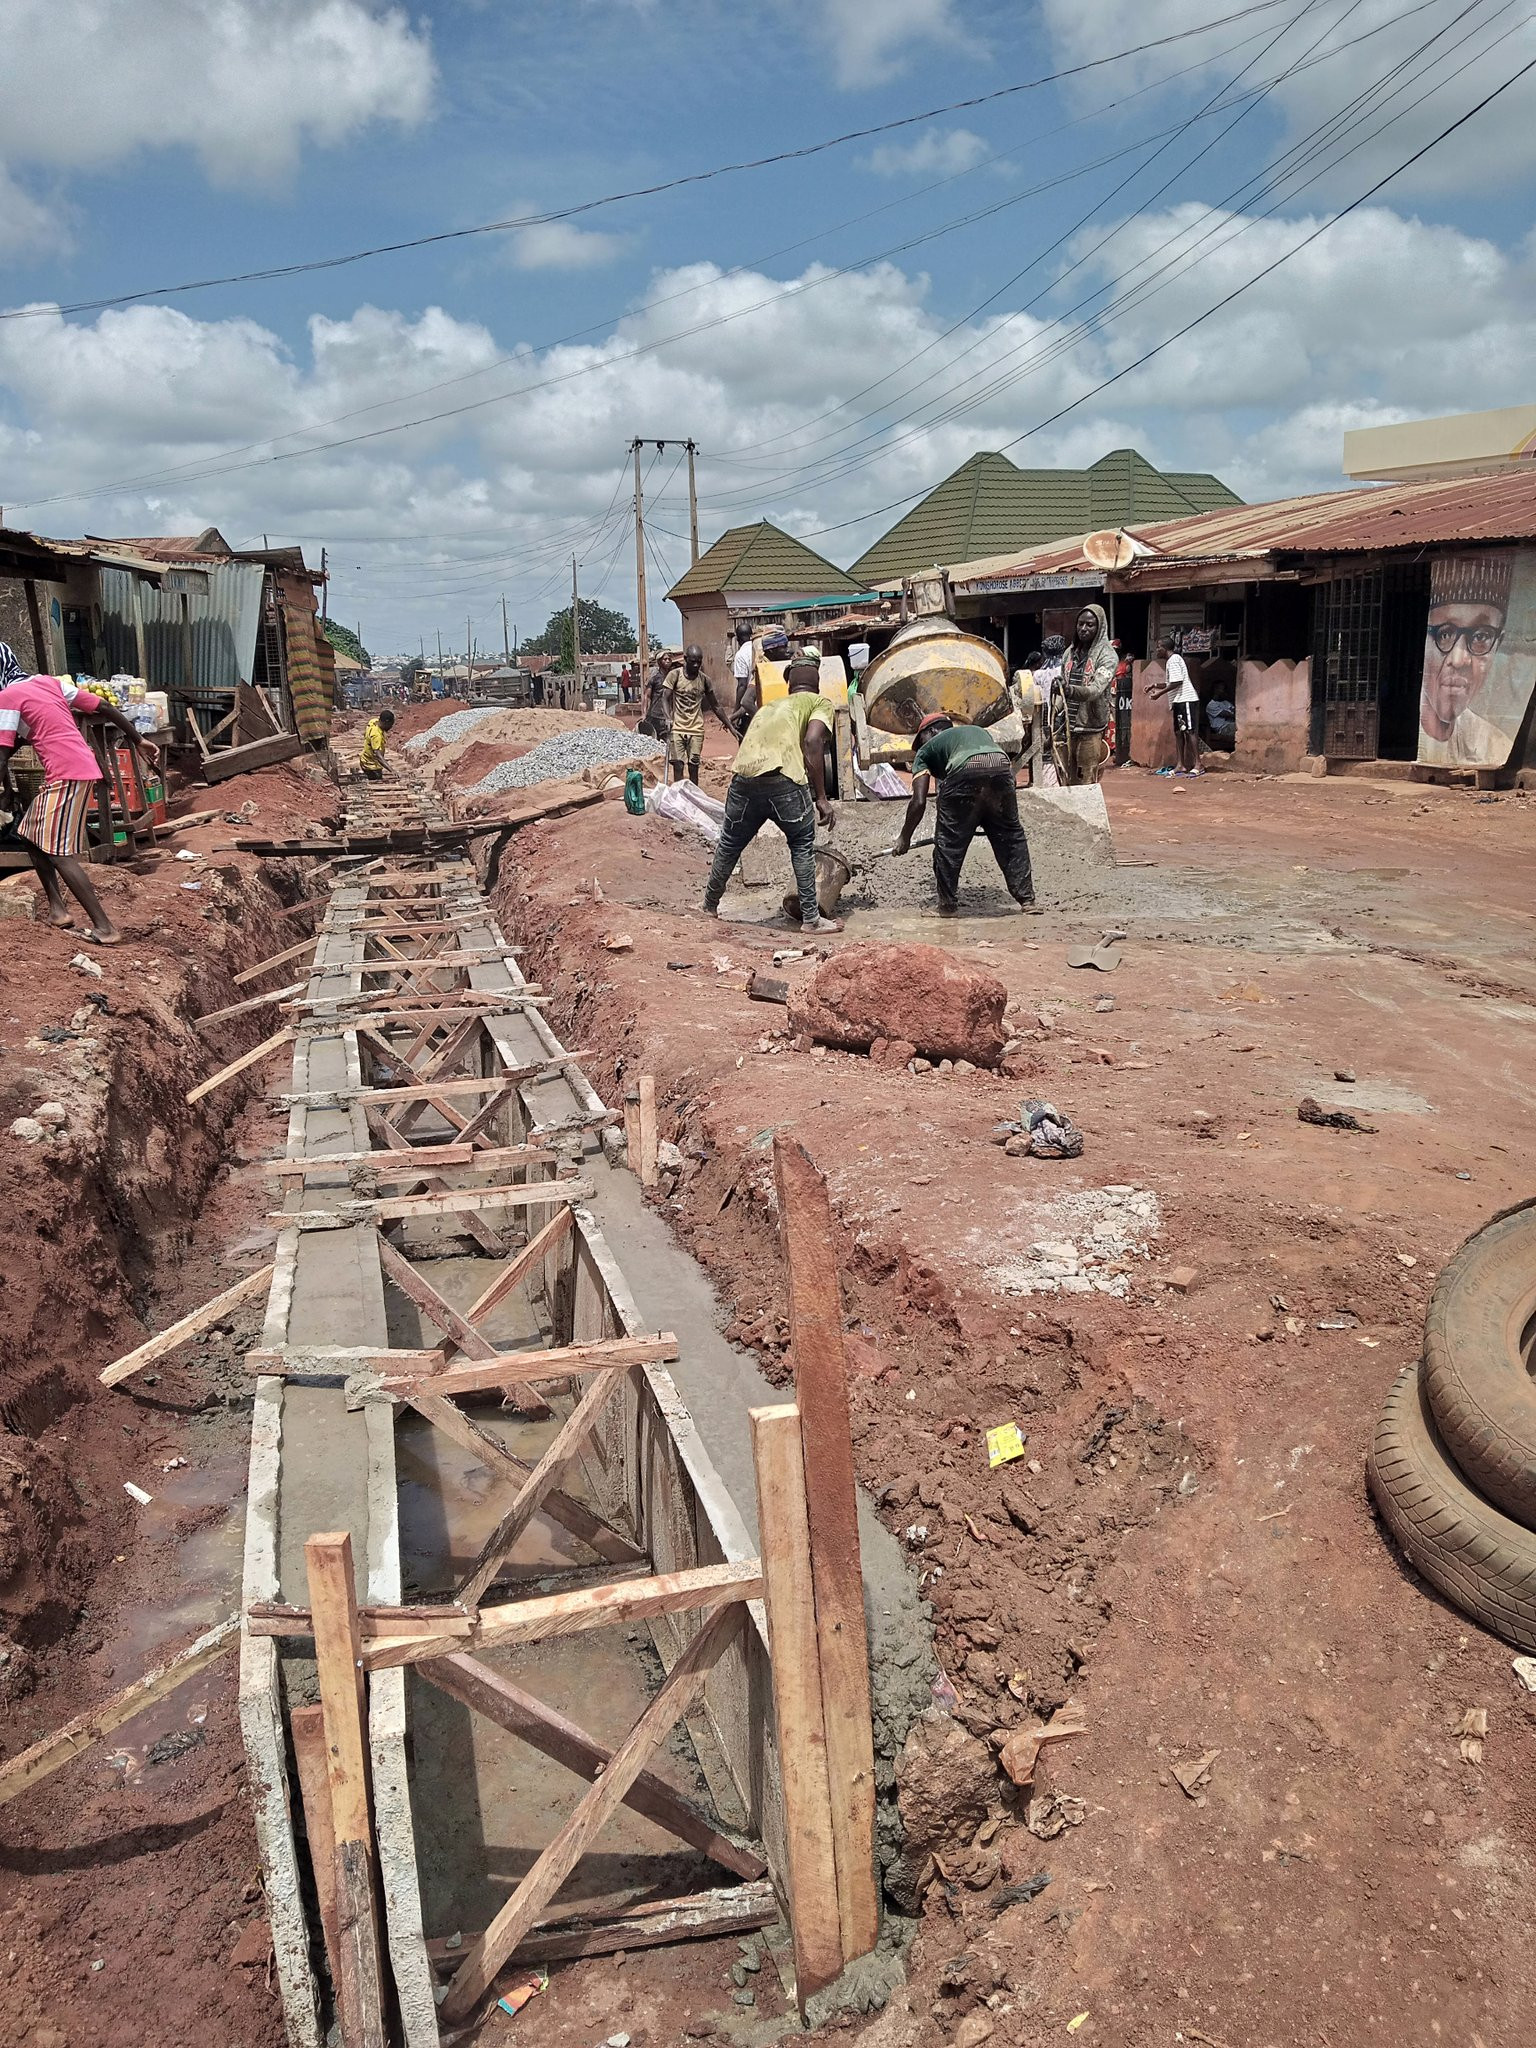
683 803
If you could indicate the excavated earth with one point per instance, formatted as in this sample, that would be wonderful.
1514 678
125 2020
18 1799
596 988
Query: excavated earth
1184 1552
1193 1327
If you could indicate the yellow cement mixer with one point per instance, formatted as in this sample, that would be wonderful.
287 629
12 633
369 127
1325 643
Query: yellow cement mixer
931 665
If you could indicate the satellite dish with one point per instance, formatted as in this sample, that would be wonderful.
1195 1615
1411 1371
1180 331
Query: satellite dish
1111 550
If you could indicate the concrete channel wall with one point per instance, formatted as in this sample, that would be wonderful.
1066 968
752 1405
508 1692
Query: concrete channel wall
315 1465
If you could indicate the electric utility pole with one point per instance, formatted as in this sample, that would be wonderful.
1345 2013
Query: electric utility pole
506 647
693 506
575 632
643 627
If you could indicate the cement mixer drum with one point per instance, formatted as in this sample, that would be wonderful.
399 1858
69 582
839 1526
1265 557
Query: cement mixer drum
931 666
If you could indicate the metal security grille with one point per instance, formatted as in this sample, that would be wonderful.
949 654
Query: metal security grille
1346 668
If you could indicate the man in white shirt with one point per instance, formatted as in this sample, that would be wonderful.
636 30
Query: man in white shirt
744 671
1185 702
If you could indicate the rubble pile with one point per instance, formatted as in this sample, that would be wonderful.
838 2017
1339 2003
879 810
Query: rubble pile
1086 1244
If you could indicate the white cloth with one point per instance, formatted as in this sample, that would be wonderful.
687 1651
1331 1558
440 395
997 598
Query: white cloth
1180 689
743 662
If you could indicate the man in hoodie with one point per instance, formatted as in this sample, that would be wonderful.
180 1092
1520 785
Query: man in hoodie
1086 698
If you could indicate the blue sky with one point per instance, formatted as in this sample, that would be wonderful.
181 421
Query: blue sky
822 380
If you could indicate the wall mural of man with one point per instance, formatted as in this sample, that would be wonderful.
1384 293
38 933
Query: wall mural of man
1479 657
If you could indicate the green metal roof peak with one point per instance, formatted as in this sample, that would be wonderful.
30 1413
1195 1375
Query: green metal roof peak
763 557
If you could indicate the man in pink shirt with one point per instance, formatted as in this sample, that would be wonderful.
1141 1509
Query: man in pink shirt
40 711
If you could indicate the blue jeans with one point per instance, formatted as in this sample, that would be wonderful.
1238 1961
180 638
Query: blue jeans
750 803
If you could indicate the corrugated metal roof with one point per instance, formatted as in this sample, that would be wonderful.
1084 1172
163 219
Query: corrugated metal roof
181 547
989 504
761 557
82 551
1440 512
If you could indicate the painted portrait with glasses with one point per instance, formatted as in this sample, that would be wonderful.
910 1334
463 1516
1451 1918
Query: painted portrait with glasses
1479 657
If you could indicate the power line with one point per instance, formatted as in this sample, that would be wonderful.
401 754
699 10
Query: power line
644 191
1222 303
1281 171
205 468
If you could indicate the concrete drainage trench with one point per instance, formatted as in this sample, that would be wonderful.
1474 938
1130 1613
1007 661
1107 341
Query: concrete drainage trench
395 1421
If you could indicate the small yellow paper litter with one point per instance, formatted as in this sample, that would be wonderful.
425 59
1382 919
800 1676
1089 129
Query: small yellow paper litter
1004 1444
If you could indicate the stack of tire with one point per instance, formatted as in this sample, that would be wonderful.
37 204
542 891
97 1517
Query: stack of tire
1452 1468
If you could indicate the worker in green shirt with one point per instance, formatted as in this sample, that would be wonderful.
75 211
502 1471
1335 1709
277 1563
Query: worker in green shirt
781 775
976 788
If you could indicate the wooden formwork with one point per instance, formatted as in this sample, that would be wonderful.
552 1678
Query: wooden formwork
428 1088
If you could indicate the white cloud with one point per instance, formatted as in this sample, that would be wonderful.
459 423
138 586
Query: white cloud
942 152
560 244
871 40
243 83
26 223
1386 316
1410 109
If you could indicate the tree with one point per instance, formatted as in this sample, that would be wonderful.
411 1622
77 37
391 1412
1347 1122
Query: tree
602 632
345 641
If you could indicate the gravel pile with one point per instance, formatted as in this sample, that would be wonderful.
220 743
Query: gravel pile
452 726
567 754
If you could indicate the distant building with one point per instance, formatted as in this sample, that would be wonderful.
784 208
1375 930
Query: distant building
990 505
749 569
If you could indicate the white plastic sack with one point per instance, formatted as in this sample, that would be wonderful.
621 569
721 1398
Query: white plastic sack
685 804
881 780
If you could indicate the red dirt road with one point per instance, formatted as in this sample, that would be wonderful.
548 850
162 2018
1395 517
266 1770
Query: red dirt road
1189 1553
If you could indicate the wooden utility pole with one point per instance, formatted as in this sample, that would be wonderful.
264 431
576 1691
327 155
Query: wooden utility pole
575 632
693 506
439 650
506 646
325 588
643 628
469 650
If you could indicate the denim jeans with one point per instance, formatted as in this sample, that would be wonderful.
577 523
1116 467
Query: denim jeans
986 797
750 803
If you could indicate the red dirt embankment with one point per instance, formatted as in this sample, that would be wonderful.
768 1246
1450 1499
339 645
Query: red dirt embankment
123 1889
1186 1549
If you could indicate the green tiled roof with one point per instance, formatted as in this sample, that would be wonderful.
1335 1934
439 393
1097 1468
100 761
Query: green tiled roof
991 505
762 558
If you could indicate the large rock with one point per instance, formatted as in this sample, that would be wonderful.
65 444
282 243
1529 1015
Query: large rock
919 994
946 1783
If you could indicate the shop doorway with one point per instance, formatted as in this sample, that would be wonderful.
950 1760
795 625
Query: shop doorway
1368 653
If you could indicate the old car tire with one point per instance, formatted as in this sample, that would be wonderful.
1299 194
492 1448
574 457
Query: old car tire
1476 1375
1484 1563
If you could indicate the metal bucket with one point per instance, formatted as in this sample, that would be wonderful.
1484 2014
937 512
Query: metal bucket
833 874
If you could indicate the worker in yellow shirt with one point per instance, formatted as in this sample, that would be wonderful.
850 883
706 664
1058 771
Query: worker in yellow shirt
375 746
781 775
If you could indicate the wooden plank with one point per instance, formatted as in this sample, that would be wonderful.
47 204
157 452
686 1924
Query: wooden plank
249 1059
572 1515
306 1725
276 1618
251 1003
802 1738
509 1077
682 1687
647 1128
568 1440
521 1264
31 1766
555 1735
506 1369
188 1326
447 1318
570 1614
565 1936
821 1386
417 1159
218 767
484 1118
401 1208
278 959
343 1699
305 903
